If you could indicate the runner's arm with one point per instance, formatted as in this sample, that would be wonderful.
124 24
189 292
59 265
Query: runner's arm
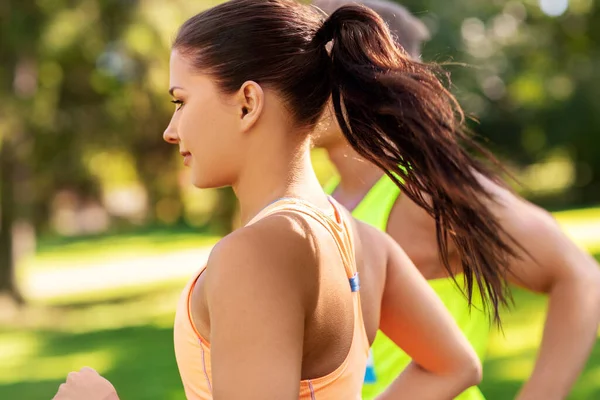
444 363
256 309
570 277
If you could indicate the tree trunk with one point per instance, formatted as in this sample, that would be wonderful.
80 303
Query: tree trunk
8 283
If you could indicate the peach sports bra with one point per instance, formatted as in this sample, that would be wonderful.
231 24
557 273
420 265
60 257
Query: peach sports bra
192 351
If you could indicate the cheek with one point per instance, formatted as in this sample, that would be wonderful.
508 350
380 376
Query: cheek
187 127
208 131
195 127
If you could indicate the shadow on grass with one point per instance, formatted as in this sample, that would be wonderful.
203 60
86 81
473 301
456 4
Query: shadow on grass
57 253
141 363
116 296
151 234
504 376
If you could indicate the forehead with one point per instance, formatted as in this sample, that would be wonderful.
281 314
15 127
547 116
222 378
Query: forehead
188 79
180 68
182 73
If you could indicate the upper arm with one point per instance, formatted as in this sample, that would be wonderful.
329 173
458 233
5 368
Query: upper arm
256 308
546 254
414 317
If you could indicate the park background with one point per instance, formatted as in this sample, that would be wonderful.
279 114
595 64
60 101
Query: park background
99 226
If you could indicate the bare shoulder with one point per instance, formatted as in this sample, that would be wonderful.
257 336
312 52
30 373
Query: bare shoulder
502 195
257 298
367 234
383 251
270 256
372 245
512 209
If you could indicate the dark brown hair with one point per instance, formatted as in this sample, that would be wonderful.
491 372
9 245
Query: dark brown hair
409 31
394 111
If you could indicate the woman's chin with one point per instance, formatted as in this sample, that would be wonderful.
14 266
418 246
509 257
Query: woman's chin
201 181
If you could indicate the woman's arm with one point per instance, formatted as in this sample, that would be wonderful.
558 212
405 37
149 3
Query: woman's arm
570 277
256 302
444 363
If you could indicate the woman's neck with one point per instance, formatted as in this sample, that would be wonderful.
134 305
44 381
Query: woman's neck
278 173
357 175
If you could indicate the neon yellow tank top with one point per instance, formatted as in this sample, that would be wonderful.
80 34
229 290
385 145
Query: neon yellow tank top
387 360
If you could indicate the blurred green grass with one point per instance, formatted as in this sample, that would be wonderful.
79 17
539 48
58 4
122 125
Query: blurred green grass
511 355
127 334
66 252
127 339
578 215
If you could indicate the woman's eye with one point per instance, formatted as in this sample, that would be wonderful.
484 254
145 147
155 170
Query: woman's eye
178 103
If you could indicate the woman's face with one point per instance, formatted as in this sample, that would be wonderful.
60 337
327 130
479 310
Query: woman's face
205 125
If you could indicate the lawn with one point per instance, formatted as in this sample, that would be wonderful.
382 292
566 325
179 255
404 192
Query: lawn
127 339
511 356
64 252
127 335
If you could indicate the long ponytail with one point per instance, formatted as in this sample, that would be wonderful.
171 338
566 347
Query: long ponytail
396 113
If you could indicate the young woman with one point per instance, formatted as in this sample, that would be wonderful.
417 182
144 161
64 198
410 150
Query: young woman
550 263
279 312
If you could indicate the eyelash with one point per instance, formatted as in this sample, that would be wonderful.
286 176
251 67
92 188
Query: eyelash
178 103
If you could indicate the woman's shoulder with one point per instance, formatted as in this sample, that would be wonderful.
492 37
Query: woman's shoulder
275 251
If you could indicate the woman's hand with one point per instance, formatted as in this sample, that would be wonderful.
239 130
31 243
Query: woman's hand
86 384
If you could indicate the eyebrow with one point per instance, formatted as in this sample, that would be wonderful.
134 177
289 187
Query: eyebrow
173 89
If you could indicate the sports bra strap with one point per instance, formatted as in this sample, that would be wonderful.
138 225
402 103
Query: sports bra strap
337 225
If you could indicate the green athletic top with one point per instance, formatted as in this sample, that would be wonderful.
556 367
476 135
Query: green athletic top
387 360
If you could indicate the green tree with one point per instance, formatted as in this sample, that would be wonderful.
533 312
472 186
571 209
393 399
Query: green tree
531 80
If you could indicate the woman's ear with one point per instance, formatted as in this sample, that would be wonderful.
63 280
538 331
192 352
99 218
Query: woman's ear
251 99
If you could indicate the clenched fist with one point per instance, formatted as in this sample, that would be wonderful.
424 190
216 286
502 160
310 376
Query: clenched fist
86 384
